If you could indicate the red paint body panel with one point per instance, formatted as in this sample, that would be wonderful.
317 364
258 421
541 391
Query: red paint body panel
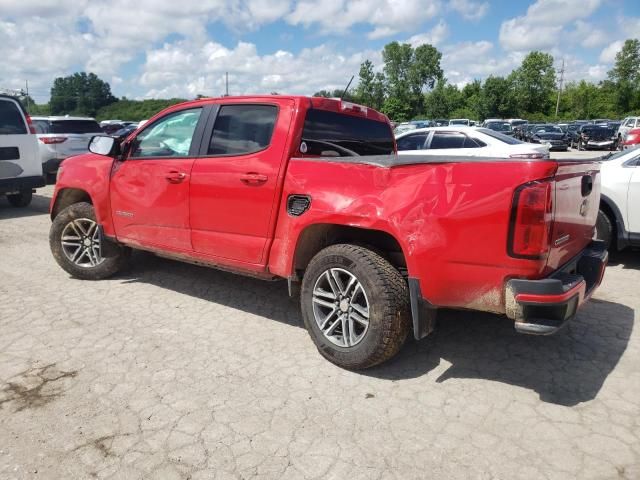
89 173
147 206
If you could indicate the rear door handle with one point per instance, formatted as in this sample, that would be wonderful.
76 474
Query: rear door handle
175 177
253 178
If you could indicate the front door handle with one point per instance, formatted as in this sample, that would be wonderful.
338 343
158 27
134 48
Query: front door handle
253 178
175 177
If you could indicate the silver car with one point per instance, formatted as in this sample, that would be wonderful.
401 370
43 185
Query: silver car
62 137
626 125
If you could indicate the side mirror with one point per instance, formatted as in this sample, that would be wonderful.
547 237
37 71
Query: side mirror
103 145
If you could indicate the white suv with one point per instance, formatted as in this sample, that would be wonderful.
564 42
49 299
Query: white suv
20 166
62 137
619 217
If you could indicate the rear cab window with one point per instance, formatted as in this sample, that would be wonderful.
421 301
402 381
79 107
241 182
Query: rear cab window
11 120
333 134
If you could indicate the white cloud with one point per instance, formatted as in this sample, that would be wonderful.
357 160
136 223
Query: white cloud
466 61
588 35
435 36
469 9
543 23
185 69
387 17
608 54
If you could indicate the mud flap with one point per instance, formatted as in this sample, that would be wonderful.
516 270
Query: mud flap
423 314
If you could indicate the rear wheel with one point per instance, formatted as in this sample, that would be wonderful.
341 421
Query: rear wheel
21 199
355 306
78 247
604 228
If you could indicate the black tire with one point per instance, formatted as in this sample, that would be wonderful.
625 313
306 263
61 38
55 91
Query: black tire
115 255
22 199
604 228
389 317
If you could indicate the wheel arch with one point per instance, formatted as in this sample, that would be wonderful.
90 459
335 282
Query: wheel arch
316 237
68 196
612 211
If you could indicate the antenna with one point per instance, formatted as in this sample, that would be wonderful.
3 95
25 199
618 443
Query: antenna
226 81
560 87
348 85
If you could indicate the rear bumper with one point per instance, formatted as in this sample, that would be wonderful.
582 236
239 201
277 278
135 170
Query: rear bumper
51 165
542 307
14 185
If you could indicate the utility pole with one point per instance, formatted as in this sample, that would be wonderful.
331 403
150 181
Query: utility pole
560 87
26 84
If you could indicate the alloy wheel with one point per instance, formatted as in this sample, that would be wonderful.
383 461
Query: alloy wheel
341 307
81 243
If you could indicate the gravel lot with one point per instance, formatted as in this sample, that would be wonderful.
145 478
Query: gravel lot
176 371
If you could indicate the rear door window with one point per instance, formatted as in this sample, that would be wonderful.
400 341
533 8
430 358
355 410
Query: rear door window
449 140
415 141
11 120
332 134
75 126
242 129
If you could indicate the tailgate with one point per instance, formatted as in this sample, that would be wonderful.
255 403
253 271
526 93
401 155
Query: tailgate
576 204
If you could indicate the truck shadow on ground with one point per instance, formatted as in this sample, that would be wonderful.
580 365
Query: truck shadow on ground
39 206
629 258
566 369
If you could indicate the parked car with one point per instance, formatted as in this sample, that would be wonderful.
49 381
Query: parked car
460 121
572 133
20 166
500 126
311 190
404 127
124 132
618 222
627 124
466 142
441 122
632 139
111 128
527 133
597 137
550 135
62 137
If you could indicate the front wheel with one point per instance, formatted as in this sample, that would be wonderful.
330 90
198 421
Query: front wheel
355 306
21 199
78 247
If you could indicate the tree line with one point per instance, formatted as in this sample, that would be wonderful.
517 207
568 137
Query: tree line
412 85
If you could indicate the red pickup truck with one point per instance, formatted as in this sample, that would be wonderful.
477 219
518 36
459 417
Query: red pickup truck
312 190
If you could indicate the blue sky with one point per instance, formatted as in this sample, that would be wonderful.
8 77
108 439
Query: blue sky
161 48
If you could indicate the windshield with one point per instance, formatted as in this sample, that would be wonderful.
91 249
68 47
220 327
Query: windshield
516 123
499 126
499 136
598 131
635 151
548 129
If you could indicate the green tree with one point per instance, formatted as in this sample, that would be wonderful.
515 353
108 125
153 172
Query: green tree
498 98
443 100
337 93
625 75
472 100
80 93
370 90
408 74
135 110
534 83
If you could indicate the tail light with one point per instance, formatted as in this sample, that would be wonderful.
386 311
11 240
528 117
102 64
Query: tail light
32 128
632 138
353 107
531 221
52 140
